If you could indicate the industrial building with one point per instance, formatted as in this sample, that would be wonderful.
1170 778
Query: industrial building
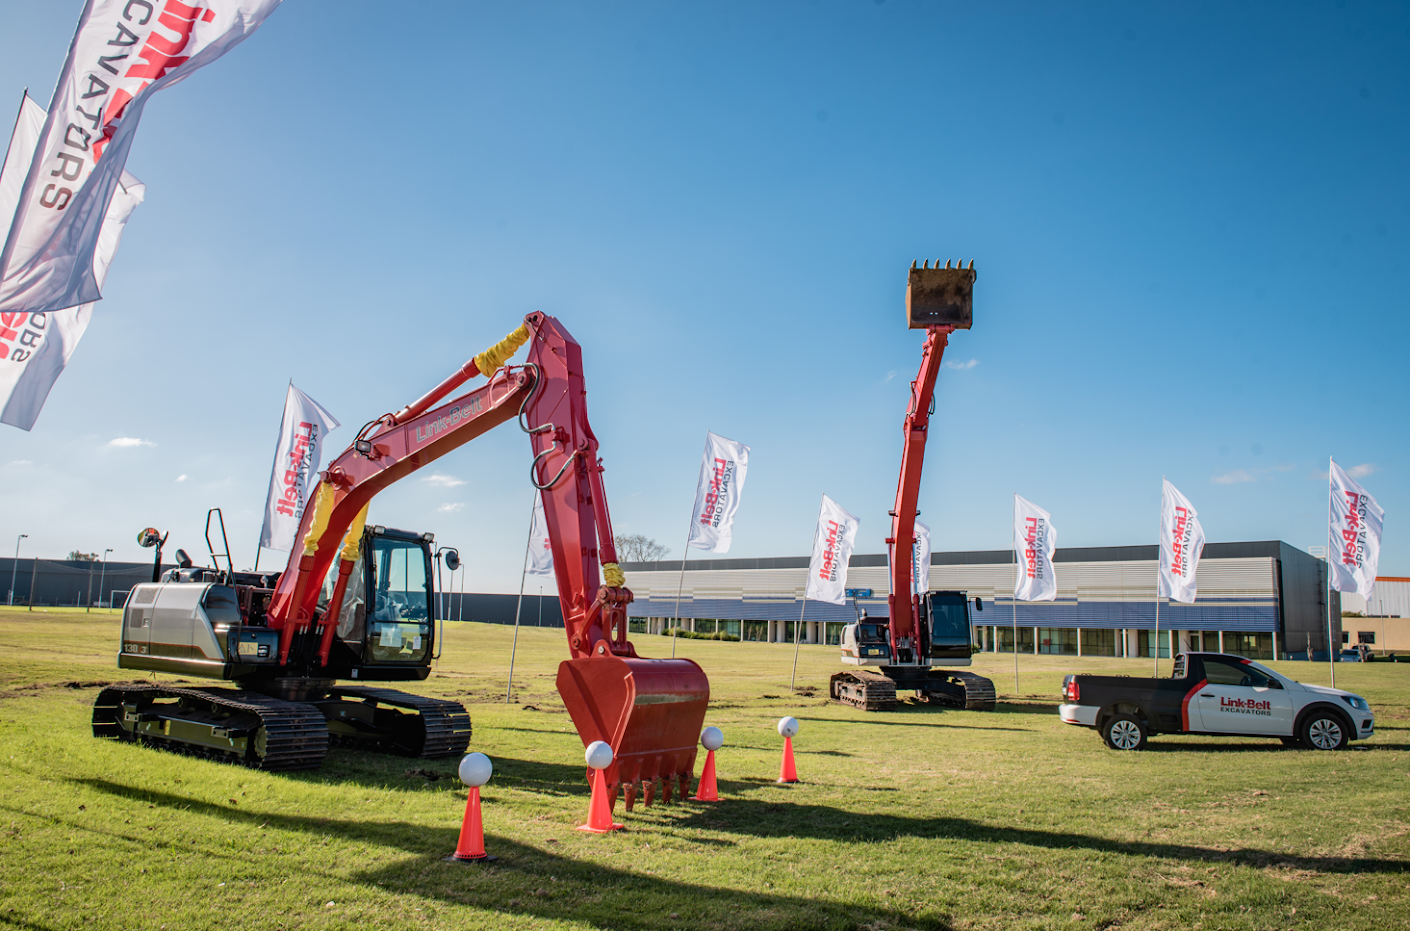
1381 621
1259 599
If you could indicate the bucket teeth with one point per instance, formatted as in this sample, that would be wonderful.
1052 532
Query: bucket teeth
913 263
971 264
666 786
631 795
685 786
649 793
947 263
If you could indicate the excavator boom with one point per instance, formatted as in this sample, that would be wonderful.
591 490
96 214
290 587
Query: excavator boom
649 711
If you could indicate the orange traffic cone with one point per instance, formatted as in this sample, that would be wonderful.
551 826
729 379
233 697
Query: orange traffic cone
600 808
707 791
788 772
471 848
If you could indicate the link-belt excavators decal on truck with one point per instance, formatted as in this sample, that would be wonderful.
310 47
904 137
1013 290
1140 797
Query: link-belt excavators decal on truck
1215 693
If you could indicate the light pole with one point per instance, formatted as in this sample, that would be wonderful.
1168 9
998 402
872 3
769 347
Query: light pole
104 573
15 568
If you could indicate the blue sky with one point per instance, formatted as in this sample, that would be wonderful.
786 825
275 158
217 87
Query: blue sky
1189 220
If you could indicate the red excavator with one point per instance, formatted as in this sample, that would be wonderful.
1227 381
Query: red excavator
354 603
928 633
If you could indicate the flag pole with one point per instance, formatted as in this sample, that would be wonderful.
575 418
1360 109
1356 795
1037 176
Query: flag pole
1015 596
1331 649
523 576
807 580
1159 529
680 585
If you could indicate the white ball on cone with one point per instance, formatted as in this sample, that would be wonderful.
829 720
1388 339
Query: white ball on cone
598 754
788 727
712 738
475 769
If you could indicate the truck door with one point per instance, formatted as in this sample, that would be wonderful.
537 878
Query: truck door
1238 699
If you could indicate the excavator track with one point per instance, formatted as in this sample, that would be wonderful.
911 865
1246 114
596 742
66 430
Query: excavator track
359 717
979 694
861 688
227 725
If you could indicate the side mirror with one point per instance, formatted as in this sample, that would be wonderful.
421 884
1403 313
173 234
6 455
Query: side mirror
183 559
979 604
149 537
452 559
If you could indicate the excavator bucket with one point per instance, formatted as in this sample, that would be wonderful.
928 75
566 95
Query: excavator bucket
940 296
650 711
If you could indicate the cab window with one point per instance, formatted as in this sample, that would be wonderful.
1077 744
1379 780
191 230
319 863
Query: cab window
1224 672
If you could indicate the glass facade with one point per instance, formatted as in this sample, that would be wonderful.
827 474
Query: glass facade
1145 640
1252 646
1059 640
1004 636
1099 642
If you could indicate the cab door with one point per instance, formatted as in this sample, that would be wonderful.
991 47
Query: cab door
1238 699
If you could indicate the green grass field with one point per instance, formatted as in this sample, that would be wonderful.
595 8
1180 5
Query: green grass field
914 819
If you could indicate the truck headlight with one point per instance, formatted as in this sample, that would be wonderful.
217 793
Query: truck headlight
1356 702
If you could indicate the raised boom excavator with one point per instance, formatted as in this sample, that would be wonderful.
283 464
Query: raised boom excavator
348 605
929 634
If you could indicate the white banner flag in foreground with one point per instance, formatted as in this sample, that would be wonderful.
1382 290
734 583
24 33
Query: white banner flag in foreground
35 346
122 52
832 549
1035 541
1355 532
540 553
1181 543
717 494
295 464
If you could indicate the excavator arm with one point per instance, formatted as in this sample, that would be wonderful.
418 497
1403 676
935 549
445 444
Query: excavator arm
938 301
649 711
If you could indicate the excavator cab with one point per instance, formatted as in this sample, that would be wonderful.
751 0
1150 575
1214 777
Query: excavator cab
388 609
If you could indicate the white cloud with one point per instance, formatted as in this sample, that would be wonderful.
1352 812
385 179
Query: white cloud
126 441
962 365
1233 478
21 462
1356 471
441 480
890 375
451 508
181 478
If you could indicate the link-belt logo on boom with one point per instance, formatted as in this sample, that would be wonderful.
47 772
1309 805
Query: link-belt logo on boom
424 431
1182 535
1354 533
1035 540
717 494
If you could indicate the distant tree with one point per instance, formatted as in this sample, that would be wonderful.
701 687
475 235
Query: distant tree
635 547
80 556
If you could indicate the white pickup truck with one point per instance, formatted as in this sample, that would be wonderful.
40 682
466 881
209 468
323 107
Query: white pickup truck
1215 693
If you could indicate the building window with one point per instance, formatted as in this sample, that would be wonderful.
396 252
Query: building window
1145 640
1059 640
1251 646
1366 636
1003 639
756 630
1098 642
636 625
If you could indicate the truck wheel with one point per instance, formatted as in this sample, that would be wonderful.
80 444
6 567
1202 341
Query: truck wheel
1323 730
1124 732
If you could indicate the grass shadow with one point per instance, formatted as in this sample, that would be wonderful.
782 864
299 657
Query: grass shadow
537 883
785 819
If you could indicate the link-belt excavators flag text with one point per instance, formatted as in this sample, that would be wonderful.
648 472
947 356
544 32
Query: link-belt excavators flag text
1181 543
295 465
832 550
540 553
1355 532
35 345
1034 541
920 560
717 494
122 52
